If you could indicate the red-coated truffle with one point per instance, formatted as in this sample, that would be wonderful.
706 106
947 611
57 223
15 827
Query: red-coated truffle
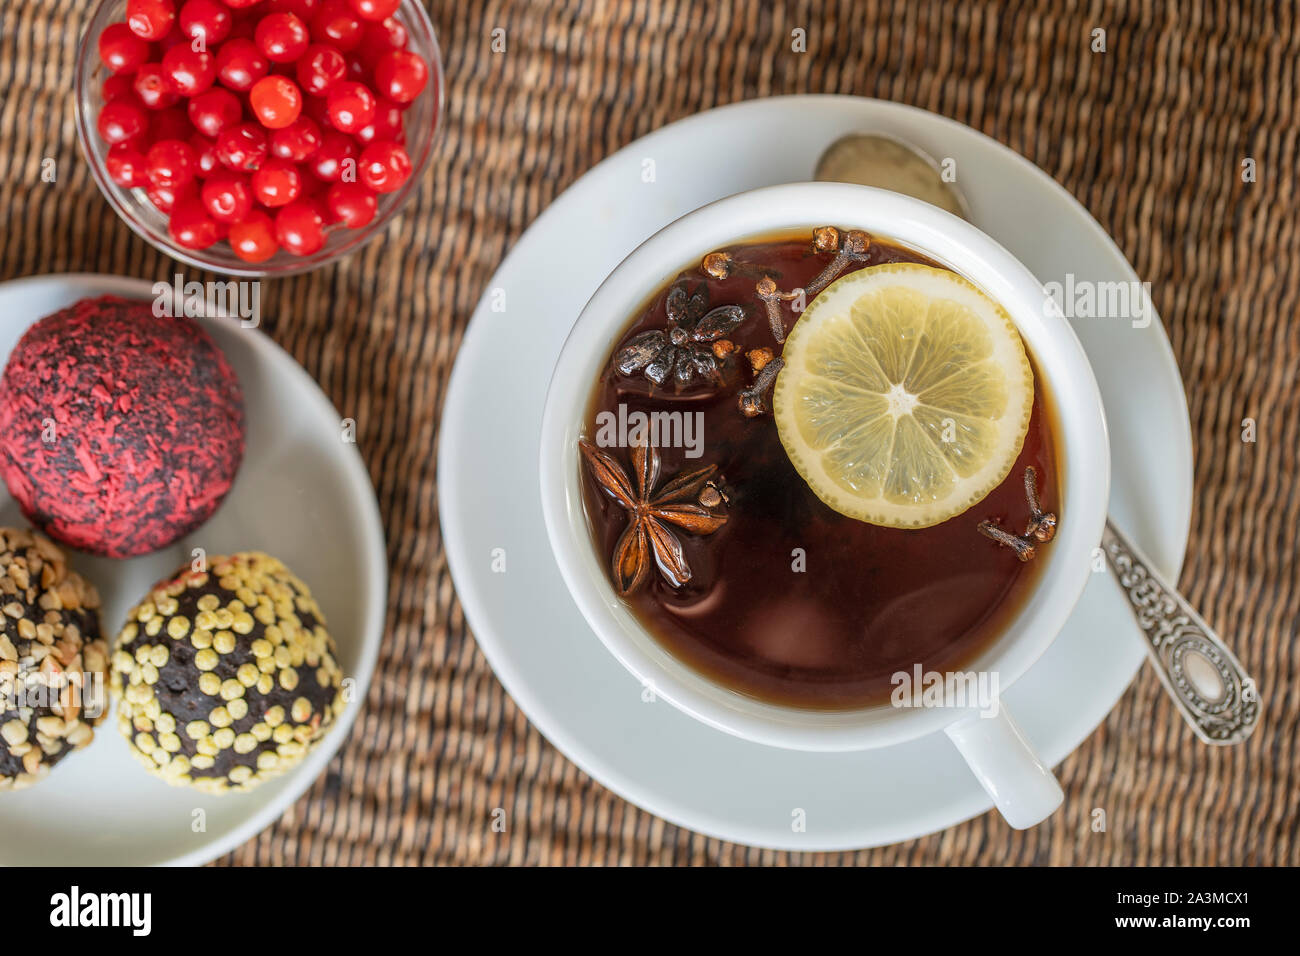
120 430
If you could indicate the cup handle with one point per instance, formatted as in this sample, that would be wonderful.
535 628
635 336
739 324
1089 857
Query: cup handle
995 748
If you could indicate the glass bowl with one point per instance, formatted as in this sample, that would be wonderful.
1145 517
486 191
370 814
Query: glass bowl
423 119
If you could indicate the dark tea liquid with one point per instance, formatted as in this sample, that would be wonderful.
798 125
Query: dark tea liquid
790 601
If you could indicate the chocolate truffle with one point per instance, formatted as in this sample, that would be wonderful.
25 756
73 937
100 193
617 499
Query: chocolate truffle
226 677
53 660
120 430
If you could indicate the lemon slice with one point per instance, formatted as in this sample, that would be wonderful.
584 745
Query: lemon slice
905 396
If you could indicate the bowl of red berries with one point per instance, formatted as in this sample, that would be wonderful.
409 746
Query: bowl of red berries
258 137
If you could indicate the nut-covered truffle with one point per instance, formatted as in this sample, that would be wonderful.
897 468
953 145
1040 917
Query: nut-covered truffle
226 677
53 659
120 430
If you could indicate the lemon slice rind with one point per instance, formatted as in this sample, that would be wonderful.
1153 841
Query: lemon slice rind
917 357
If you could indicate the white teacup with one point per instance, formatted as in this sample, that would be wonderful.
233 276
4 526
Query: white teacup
1023 789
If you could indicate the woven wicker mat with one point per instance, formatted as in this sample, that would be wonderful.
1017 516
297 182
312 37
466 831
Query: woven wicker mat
1150 137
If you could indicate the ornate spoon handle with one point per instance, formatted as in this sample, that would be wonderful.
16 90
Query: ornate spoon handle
1205 679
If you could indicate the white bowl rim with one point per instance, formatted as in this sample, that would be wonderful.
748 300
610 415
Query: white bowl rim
1084 450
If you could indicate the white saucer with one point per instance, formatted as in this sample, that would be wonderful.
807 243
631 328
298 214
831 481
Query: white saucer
303 495
576 694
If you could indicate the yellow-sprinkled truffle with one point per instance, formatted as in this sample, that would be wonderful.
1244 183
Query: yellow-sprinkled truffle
221 631
53 661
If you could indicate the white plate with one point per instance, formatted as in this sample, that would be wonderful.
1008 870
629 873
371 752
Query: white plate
303 495
577 695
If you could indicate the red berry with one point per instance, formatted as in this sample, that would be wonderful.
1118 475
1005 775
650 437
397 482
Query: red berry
282 37
240 64
242 148
384 167
401 75
277 183
190 71
315 190
380 38
207 153
205 20
296 141
117 86
165 198
338 25
320 68
317 108
352 204
191 226
241 4
150 19
213 111
121 50
121 120
153 88
126 166
173 38
358 71
170 123
302 9
387 125
227 196
243 27
351 106
300 227
276 101
253 239
336 156
171 162
375 9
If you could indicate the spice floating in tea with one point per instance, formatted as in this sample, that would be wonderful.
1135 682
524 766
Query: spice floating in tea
684 349
680 502
717 265
1042 524
759 358
720 265
1041 527
772 297
756 400
851 246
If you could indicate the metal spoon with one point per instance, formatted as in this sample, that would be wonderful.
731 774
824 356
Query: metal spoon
889 163
1205 679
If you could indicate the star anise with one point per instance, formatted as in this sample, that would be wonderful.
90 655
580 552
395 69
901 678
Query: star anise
652 514
683 350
